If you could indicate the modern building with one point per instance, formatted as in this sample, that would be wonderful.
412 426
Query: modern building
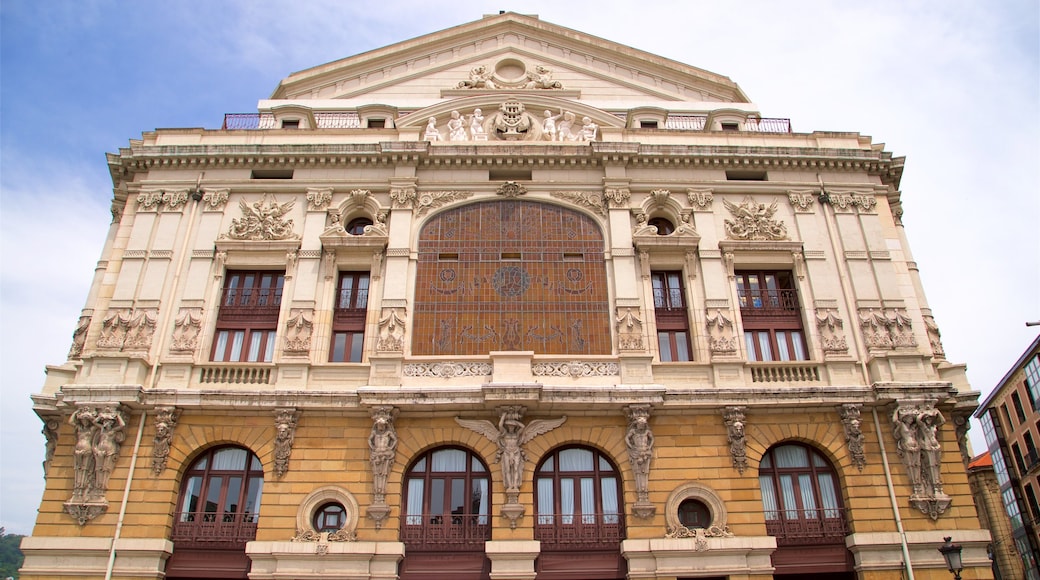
986 489
505 301
1011 423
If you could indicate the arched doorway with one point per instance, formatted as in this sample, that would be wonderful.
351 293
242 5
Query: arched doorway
217 513
445 519
580 521
804 511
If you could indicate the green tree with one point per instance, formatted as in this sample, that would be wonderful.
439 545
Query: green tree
11 557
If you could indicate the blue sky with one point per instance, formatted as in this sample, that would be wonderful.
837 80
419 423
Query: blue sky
952 85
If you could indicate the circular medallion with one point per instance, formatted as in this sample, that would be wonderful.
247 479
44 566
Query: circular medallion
511 281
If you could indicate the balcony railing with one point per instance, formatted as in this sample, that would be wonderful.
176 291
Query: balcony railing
807 527
579 531
768 302
754 125
446 531
784 373
235 375
228 531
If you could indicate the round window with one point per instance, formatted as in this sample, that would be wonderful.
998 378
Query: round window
664 227
694 514
330 517
356 227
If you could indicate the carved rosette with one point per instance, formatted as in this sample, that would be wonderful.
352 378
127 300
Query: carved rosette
298 331
263 219
887 329
511 189
721 340
428 200
391 331
700 199
915 425
753 221
802 200
851 422
79 337
590 200
128 329
318 198
617 197
285 431
186 328
639 439
832 334
734 419
382 445
165 423
629 330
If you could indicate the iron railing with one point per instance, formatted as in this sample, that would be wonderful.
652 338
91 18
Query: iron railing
579 531
228 531
807 527
768 302
445 531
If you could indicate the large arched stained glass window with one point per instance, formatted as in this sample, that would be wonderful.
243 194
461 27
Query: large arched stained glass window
511 275
446 502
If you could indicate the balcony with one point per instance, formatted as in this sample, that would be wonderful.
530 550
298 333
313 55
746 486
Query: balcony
807 527
227 531
782 302
786 372
446 532
579 531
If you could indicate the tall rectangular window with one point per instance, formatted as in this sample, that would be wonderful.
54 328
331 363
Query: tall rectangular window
1033 381
673 323
772 316
248 318
348 317
1020 412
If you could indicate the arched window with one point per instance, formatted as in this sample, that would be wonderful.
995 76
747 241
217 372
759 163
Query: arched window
356 226
694 514
799 493
578 493
447 501
330 517
664 227
223 486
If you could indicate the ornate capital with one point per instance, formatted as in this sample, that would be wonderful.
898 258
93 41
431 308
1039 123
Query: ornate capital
617 197
318 198
700 199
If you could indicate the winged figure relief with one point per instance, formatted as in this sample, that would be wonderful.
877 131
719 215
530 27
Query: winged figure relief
511 435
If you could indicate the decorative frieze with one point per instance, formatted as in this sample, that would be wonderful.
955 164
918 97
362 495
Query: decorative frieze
916 426
298 331
851 422
448 370
576 369
734 418
128 329
639 439
391 331
428 200
629 330
832 334
753 221
318 198
588 199
886 329
264 219
700 199
485 77
186 328
165 423
285 431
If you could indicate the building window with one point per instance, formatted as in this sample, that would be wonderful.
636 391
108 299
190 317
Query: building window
1007 417
1019 410
647 124
1033 380
664 227
673 323
447 502
800 497
356 227
291 124
248 316
694 514
220 500
348 317
772 316
330 517
578 494
377 123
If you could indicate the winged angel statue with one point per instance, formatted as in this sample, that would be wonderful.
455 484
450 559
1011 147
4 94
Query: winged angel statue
754 221
511 434
263 220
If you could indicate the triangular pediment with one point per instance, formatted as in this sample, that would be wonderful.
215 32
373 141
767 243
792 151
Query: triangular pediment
507 52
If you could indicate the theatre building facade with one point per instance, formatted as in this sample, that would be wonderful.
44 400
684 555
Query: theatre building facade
505 301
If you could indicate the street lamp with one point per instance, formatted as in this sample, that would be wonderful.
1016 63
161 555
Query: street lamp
952 553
